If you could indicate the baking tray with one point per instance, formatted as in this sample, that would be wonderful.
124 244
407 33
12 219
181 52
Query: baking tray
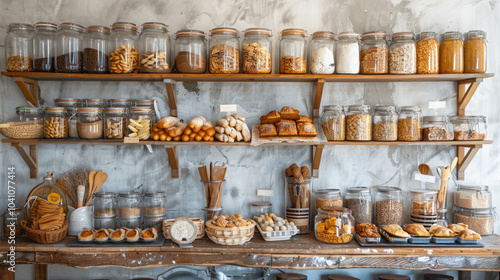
443 240
369 240
157 243
385 244
419 239
392 239
467 241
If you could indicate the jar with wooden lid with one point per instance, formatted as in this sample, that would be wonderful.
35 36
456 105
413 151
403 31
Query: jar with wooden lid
89 123
55 123
44 47
347 53
374 55
115 122
95 50
104 204
469 127
359 200
71 105
190 51
257 51
451 53
424 203
427 53
333 122
322 58
121 103
224 51
139 123
410 124
385 124
403 54
154 48
389 206
479 220
98 103
124 56
19 47
148 103
69 50
470 196
437 128
293 58
334 225
358 123
475 52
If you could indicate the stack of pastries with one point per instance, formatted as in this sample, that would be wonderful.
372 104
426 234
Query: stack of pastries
286 123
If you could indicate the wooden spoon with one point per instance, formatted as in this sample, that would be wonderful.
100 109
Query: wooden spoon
424 169
91 183
97 181
100 182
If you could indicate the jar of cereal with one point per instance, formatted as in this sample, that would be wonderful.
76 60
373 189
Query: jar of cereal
328 197
333 122
409 124
293 51
374 55
427 53
403 54
388 206
257 51
359 123
385 124
224 54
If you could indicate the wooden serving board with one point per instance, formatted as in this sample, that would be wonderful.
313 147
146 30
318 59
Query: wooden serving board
157 243
289 140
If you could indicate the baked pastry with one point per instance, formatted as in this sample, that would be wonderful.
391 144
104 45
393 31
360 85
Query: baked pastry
306 129
367 230
289 113
458 227
267 130
468 234
221 221
441 231
287 128
303 119
417 229
305 171
271 118
396 231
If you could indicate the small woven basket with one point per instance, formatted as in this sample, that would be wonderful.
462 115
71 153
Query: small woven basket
230 236
24 130
199 222
45 236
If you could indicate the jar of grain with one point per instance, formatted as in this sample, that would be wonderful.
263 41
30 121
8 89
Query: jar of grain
224 53
95 50
437 128
95 103
44 47
358 123
477 197
359 200
328 197
89 123
19 47
71 105
451 53
427 53
257 51
321 49
293 51
123 57
154 48
389 206
479 220
333 122
155 204
129 205
469 127
409 124
115 122
190 51
334 225
55 123
475 52
104 204
385 124
403 54
347 53
424 202
374 55
69 50
139 123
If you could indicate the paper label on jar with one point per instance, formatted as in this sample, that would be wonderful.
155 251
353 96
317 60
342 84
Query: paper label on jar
424 178
131 140
228 108
54 198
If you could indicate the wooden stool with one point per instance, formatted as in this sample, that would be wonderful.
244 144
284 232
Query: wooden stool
341 277
290 276
432 276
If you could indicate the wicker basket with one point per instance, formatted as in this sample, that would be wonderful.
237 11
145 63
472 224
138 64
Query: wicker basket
199 222
45 236
23 130
230 236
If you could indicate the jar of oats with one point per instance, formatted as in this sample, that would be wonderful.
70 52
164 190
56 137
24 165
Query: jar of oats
410 124
478 220
427 53
358 123
257 51
403 54
293 51
437 128
385 124
374 55
469 127
451 53
333 122
389 206
475 52
224 53
56 123
473 197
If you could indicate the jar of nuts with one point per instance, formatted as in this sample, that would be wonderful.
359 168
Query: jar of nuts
469 127
224 53
257 51
69 50
124 57
190 51
95 50
403 54
427 53
410 124
71 105
385 124
44 47
359 123
322 59
293 51
333 122
475 52
328 197
374 55
451 53
359 200
154 47
389 206
334 225
139 123
56 123
115 122
19 47
437 128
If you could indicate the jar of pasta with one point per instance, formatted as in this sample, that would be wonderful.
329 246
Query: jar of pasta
154 46
328 197
190 51
321 53
56 123
389 206
69 50
479 220
477 197
333 122
139 123
403 54
475 52
385 124
427 53
451 53
257 51
123 57
347 53
437 128
374 55
358 123
19 47
293 51
334 225
224 53
410 124
469 127
359 200
44 47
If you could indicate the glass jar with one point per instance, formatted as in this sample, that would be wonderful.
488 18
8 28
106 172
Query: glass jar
147 103
427 53
12 221
32 114
403 54
385 124
321 49
154 47
293 58
410 124
104 204
424 203
129 205
224 54
44 47
451 53
328 198
374 55
388 206
475 52
19 47
95 50
28 124
437 128
479 220
89 123
121 103
96 103
53 197
190 51
69 48
257 51
333 122
469 127
298 207
155 204
56 123
260 208
71 105
130 222
359 200
139 123
358 123
477 197
105 222
334 225
154 221
115 122
123 57
347 52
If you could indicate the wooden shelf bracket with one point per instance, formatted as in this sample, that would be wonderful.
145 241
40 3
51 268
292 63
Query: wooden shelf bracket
464 159
30 158
317 154
29 88
319 84
172 96
173 160
464 93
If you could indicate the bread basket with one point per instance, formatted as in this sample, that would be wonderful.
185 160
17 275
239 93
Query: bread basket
199 222
22 130
230 236
45 236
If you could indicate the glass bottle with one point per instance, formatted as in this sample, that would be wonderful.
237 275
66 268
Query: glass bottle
124 57
403 54
154 47
469 127
139 123
95 50
69 48
44 47
19 47
437 128
374 55
89 123
115 122
334 225
475 52
56 123
410 124
359 200
388 206
427 53
347 53
385 124
224 53
71 105
190 51
358 123
257 51
322 58
333 122
293 58
451 53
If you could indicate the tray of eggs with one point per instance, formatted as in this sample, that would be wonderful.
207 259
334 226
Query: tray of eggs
274 228
118 235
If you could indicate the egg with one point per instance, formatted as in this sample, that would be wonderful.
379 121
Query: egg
280 223
259 220
276 228
289 227
271 224
266 223
292 224
283 227
268 228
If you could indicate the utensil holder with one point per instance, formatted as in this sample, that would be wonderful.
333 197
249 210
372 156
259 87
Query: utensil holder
213 193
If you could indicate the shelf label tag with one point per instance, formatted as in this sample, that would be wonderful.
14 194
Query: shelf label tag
424 178
262 192
437 104
228 108
131 140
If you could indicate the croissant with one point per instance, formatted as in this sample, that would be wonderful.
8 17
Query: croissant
417 229
468 234
441 231
396 231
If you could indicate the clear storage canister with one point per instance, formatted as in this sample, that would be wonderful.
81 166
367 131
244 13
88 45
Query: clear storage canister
121 103
293 58
478 220
190 51
129 205
424 202
374 55
155 204
44 47
147 103
403 54
359 200
139 123
427 53
322 56
98 103
260 208
95 50
224 51
71 105
104 204
388 206
475 52
123 57
89 123
437 128
451 53
19 47
56 123
478 197
347 53
69 50
29 123
410 124
334 225
385 124
469 127
115 122
154 46
333 122
328 197
358 123
257 51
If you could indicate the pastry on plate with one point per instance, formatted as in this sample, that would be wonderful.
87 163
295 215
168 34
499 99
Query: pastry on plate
367 230
306 129
417 229
468 234
267 130
441 231
303 119
458 227
289 113
396 231
271 118
287 128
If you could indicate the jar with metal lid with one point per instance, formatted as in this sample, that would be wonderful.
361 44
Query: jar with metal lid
293 58
69 50
334 225
19 47
190 51
410 124
44 47
437 128
129 222
389 206
475 52
403 54
129 205
147 103
89 123
121 103
333 122
374 55
105 222
123 57
257 51
469 127
469 196
31 114
98 103
328 197
322 56
71 105
385 124
347 53
427 53
155 204
224 54
154 48
358 123
12 221
104 204
479 220
424 203
359 200
115 122
56 123
451 53
260 208
95 50
139 123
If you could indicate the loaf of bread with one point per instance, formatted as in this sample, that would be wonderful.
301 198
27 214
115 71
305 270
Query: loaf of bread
267 130
396 231
307 129
287 128
289 113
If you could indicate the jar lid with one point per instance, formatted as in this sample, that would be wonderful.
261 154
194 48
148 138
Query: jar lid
124 25
386 189
468 118
403 35
333 108
115 110
258 30
476 34
98 29
155 194
224 30
324 33
290 276
261 203
66 100
294 31
358 190
334 210
424 191
155 25
435 118
94 100
104 194
21 25
410 108
427 34
122 100
129 195
345 35
55 109
88 110
385 108
452 35
329 191
140 109
73 26
190 32
144 102
33 109
474 212
374 34
475 188
359 107
48 25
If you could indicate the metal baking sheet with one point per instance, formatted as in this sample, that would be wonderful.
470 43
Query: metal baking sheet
157 243
386 244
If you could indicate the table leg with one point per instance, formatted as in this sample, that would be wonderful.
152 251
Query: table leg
464 275
41 272
5 273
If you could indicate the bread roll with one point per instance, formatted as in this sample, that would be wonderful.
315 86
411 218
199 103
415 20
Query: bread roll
247 136
196 123
168 122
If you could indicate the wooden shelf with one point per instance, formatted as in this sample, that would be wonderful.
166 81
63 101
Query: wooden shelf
403 143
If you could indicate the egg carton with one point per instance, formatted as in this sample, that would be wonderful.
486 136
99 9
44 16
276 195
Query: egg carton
277 235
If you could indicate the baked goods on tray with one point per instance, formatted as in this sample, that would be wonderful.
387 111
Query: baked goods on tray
289 113
287 128
303 119
441 231
396 231
271 118
288 123
267 130
417 229
367 230
458 227
468 234
306 129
